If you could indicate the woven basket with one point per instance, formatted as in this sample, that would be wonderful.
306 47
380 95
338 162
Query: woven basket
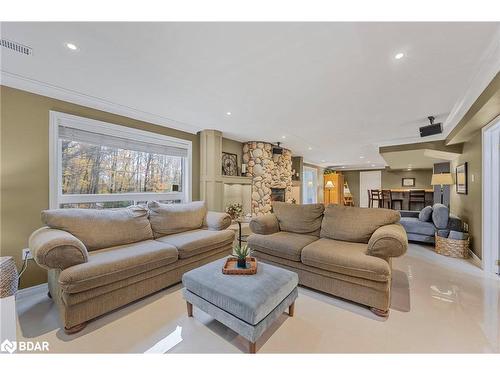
8 277
452 248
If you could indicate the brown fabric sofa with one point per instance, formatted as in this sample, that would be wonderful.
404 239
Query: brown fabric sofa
99 260
344 251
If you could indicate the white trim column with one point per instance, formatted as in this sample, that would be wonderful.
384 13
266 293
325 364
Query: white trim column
491 192
211 184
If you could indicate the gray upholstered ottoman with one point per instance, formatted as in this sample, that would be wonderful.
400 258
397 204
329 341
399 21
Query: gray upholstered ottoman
248 304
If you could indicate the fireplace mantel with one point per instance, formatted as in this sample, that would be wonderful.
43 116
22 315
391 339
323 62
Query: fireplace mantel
242 180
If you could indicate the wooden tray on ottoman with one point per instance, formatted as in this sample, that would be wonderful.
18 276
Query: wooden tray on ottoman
231 267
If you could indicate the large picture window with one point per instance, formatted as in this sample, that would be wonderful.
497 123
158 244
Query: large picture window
101 165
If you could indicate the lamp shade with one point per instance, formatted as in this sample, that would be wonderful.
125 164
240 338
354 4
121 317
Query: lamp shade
442 179
329 185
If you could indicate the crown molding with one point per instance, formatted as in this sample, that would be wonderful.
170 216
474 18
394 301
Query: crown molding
45 89
487 68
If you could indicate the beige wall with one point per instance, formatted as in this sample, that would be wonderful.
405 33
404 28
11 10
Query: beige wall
25 165
352 178
233 147
469 207
392 179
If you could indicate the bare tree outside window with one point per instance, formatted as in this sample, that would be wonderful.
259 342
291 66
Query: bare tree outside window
97 169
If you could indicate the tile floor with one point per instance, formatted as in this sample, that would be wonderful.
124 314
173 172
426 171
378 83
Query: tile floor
439 305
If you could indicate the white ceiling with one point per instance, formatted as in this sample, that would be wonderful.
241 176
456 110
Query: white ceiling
332 87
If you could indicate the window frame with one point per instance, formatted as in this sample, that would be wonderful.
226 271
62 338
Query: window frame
56 197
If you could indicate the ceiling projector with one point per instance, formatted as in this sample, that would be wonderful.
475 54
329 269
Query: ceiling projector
431 129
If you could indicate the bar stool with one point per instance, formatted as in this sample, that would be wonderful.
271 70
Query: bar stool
377 197
370 201
416 196
396 200
386 198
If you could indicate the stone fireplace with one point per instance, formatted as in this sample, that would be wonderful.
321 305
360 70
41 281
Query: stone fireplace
271 175
278 195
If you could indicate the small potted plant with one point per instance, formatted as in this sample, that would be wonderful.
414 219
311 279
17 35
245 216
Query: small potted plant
241 252
235 210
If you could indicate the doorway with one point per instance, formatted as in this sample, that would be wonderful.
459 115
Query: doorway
367 181
310 185
491 197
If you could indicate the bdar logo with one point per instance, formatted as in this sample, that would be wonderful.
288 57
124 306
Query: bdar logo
8 346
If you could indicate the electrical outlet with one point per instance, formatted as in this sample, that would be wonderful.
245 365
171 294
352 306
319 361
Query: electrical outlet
27 254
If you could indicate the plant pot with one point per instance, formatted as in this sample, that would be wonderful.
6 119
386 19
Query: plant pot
242 263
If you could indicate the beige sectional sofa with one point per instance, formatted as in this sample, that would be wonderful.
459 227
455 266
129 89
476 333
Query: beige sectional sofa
99 260
344 251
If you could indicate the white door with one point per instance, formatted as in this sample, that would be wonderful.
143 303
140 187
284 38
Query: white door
368 180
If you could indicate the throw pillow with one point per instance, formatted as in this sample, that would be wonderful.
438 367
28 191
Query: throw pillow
425 214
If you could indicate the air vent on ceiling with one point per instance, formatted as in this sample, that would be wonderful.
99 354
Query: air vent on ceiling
17 47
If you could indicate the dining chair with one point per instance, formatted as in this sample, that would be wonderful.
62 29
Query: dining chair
396 200
386 198
416 197
377 197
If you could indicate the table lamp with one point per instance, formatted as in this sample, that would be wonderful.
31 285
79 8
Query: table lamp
442 179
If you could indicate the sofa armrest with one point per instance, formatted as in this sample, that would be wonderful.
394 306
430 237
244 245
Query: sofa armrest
217 220
406 213
388 241
266 224
54 248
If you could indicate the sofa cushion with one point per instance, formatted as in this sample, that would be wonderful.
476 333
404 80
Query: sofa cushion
347 258
425 214
414 225
355 224
116 263
175 218
198 241
299 218
281 244
440 215
99 229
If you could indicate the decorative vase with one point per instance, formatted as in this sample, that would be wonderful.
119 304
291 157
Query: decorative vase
242 263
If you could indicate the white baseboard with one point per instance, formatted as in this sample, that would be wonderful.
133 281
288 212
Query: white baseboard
30 291
475 259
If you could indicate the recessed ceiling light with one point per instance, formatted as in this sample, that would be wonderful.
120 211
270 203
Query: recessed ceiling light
368 161
71 46
309 148
343 167
399 55
283 136
322 161
228 113
373 165
361 157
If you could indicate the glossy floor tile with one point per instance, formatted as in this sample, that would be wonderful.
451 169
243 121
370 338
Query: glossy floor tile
439 305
